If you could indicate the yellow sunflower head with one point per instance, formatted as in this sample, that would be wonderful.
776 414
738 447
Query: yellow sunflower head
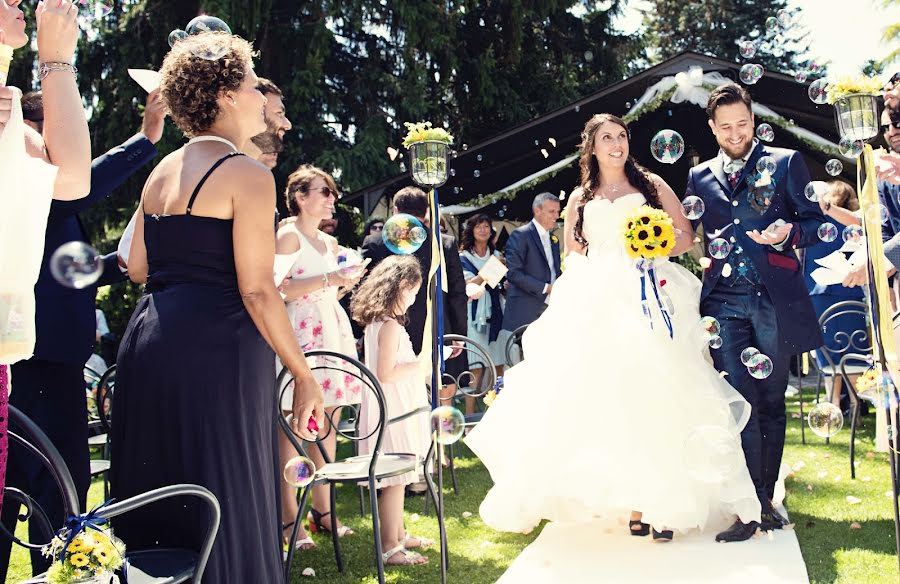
104 553
79 560
81 544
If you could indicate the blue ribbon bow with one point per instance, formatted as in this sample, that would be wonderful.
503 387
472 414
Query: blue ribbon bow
77 524
645 267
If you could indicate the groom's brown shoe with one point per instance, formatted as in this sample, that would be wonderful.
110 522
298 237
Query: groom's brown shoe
738 532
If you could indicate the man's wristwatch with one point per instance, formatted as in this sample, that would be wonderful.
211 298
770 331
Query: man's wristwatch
49 66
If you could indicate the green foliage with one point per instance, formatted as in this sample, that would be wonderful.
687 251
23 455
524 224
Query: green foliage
714 27
117 303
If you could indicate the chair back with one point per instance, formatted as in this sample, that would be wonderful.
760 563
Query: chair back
513 350
91 380
838 340
328 365
476 356
32 441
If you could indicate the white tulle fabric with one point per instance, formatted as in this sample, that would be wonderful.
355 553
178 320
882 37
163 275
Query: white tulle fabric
594 422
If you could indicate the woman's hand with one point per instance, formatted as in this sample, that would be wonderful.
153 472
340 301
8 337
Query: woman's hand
57 30
341 279
308 402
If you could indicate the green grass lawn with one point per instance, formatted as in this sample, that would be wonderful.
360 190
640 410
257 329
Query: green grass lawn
816 499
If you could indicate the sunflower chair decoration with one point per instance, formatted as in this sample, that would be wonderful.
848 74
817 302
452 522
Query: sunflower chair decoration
86 552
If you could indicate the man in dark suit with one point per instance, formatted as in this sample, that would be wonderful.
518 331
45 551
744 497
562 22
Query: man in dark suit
532 256
413 201
756 292
49 388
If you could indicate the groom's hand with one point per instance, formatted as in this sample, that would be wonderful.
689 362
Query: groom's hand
771 236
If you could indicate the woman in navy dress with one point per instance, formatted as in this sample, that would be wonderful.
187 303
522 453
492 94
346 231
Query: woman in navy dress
195 392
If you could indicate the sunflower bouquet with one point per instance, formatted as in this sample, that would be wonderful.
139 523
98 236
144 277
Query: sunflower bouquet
868 380
649 233
91 556
492 394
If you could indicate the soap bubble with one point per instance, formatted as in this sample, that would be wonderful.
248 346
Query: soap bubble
772 24
766 164
825 420
299 471
711 327
760 366
667 146
818 90
748 354
850 148
175 36
719 248
448 424
834 167
852 233
712 454
206 23
800 76
715 342
476 173
784 18
765 133
747 49
403 234
827 232
814 190
751 73
76 265
692 207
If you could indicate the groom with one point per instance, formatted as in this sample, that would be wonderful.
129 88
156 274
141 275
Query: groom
757 292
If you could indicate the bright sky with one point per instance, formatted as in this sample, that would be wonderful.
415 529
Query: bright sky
845 36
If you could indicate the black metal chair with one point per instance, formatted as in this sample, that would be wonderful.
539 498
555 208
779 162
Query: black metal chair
377 465
465 381
103 400
846 370
856 341
513 350
156 566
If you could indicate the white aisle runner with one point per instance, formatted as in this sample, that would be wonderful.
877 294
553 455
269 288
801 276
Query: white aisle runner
589 553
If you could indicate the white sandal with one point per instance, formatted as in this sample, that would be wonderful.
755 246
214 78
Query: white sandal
410 558
424 542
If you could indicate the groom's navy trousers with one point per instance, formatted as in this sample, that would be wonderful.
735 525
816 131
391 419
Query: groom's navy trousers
747 318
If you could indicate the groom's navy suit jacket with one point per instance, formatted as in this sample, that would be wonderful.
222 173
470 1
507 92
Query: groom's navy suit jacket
731 214
528 273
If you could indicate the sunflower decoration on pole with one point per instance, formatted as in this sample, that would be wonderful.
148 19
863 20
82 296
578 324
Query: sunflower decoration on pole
649 234
429 149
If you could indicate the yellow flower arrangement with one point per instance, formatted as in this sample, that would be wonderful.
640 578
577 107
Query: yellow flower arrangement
422 131
848 85
649 233
868 380
88 555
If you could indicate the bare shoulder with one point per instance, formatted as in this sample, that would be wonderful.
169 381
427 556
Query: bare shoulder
390 330
244 171
286 239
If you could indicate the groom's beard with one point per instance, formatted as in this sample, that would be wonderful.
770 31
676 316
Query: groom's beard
270 141
737 154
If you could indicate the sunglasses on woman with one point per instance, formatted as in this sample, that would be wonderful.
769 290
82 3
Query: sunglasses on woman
886 127
327 192
376 227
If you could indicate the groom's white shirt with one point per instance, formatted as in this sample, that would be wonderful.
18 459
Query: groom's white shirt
548 251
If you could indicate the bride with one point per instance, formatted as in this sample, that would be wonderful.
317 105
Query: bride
658 433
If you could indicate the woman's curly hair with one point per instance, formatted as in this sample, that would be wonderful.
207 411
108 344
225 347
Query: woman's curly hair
190 85
379 295
638 176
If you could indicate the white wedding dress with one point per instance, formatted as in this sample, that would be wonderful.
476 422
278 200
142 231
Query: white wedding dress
602 417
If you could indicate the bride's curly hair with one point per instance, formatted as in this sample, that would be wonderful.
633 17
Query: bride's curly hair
638 176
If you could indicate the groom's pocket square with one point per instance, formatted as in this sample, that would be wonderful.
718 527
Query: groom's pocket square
780 261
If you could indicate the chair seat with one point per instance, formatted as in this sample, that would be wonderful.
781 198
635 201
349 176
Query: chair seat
97 441
833 370
472 419
356 468
162 566
347 428
99 467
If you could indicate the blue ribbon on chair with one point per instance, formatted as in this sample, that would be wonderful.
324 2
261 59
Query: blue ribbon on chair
645 267
77 524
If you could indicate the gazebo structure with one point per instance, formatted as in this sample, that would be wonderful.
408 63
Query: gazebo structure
501 175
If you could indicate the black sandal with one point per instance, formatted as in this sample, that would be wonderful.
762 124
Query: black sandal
644 528
316 525
662 536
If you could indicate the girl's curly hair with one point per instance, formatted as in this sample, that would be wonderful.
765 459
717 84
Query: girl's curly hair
379 295
190 85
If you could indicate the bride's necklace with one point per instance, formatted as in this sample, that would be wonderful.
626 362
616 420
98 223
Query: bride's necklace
612 191
211 138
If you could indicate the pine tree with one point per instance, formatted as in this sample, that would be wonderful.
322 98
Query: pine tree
716 27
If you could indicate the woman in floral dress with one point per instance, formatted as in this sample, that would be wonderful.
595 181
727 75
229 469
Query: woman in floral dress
312 290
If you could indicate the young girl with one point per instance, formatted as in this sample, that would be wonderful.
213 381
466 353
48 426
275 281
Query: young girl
380 306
